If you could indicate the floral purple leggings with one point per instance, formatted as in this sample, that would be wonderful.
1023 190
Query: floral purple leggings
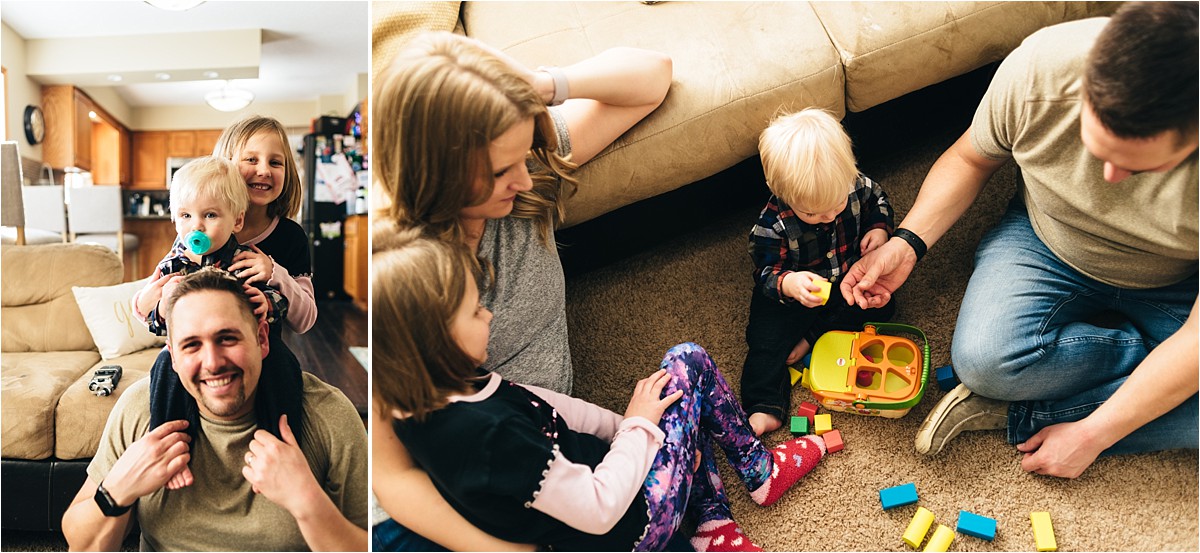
708 412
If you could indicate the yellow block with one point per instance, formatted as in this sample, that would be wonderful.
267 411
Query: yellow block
915 533
1043 531
823 293
795 374
822 423
941 539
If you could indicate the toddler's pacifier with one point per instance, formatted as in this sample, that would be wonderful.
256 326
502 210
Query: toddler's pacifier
198 242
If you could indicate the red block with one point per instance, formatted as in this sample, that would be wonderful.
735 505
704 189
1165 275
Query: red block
833 441
807 410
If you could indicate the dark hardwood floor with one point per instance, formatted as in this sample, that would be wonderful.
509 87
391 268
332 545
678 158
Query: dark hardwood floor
325 349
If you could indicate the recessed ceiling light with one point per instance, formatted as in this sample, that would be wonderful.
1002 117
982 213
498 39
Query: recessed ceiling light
113 78
210 74
175 5
92 115
162 76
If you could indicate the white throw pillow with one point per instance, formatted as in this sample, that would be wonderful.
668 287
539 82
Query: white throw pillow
110 319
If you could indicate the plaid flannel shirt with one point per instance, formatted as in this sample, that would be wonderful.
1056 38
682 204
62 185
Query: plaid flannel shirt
177 261
780 243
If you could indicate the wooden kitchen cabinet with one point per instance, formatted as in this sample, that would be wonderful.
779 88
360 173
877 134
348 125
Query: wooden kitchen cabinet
149 159
354 278
181 143
152 148
155 237
68 141
206 141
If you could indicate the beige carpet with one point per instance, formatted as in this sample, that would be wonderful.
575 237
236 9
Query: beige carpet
697 288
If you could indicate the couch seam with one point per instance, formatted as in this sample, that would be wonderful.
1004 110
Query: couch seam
920 34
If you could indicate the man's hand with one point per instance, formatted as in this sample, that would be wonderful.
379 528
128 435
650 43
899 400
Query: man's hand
1062 450
799 286
647 400
149 463
278 470
871 282
253 266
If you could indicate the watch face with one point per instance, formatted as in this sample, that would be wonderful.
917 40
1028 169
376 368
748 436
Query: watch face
35 125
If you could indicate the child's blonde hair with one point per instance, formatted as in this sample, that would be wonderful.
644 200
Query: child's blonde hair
418 284
439 105
233 140
209 177
808 160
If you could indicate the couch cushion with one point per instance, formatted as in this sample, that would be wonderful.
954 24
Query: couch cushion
81 415
892 48
735 65
39 311
30 387
393 24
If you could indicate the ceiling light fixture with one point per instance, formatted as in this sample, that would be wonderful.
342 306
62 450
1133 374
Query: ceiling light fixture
210 75
228 98
114 78
162 76
175 5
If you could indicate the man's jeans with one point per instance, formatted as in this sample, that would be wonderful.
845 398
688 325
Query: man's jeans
1022 336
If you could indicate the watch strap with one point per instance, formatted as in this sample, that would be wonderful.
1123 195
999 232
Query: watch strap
913 240
107 504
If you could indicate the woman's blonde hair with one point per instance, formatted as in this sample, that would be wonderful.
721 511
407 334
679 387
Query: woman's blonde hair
209 177
233 140
418 283
437 108
808 160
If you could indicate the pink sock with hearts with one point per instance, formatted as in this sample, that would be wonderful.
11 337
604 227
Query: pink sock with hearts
793 459
721 535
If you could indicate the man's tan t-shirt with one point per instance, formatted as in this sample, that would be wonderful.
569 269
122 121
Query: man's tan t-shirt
220 512
1138 233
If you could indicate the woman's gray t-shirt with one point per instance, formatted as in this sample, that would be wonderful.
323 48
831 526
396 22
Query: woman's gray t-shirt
528 341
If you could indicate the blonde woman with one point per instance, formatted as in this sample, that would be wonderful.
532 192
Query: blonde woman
467 150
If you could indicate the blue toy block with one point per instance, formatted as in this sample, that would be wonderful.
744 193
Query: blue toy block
898 496
979 526
946 379
806 360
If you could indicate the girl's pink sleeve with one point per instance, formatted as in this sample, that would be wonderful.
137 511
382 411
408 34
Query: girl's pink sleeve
593 501
302 302
581 416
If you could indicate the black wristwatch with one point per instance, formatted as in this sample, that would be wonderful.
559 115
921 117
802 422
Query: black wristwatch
107 505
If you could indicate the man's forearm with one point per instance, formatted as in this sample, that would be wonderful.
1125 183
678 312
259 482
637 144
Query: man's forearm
949 189
87 529
325 528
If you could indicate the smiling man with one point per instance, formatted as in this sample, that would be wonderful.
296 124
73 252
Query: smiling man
251 490
1078 330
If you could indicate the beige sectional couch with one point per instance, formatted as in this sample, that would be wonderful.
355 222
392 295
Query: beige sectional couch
736 64
51 422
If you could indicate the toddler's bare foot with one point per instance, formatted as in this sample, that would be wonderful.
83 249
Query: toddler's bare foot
798 352
181 479
763 423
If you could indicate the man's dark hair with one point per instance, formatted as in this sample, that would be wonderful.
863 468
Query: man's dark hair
280 388
1141 75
